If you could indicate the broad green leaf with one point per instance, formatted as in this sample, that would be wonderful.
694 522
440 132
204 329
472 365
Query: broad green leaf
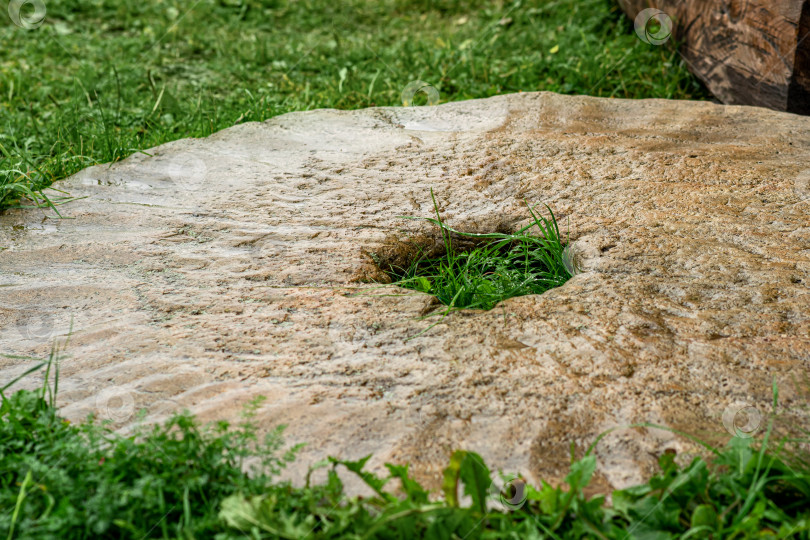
704 515
581 472
413 490
451 478
475 475
373 481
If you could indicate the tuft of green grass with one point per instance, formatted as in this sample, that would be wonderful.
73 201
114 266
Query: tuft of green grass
102 79
528 261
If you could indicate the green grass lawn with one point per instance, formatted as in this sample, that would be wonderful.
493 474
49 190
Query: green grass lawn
101 79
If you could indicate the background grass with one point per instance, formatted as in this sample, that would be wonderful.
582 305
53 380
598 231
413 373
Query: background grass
101 79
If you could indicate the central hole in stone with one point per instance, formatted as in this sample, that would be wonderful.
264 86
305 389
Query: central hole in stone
474 270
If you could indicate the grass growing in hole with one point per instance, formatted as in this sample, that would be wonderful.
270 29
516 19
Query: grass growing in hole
529 261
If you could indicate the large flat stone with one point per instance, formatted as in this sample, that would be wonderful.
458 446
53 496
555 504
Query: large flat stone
212 271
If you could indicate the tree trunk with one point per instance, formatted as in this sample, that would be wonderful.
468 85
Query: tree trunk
748 52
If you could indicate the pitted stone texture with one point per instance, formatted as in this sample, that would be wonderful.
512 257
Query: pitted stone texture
216 270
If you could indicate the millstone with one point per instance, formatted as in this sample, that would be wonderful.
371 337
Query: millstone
203 273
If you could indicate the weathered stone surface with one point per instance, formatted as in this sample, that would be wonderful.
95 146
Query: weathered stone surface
216 270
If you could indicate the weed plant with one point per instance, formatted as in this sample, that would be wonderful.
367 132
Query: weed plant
528 261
